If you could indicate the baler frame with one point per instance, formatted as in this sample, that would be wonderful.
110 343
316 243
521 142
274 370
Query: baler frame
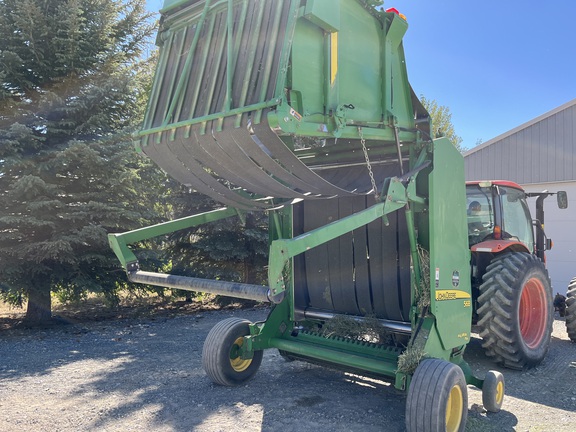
229 126
397 194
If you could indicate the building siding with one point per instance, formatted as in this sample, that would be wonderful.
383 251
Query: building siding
540 151
539 155
560 226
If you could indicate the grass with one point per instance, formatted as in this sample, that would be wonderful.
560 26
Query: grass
96 308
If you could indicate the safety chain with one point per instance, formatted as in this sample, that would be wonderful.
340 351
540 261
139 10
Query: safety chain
370 173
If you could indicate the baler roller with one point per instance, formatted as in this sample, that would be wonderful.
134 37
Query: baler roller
230 289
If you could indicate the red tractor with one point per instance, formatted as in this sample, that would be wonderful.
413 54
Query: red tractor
513 304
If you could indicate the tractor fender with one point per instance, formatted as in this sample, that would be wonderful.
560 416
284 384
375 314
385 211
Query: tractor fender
497 246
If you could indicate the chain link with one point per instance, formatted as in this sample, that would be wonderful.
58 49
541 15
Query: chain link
368 165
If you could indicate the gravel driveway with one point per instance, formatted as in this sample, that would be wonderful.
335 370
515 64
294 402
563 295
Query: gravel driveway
146 375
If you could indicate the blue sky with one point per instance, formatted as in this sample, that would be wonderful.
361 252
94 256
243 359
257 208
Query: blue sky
494 64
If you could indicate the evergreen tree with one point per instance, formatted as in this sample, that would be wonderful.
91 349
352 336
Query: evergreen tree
72 83
231 249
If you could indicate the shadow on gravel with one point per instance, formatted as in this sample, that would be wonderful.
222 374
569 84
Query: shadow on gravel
504 421
148 376
552 383
130 375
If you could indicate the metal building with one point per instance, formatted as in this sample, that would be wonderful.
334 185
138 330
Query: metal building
540 155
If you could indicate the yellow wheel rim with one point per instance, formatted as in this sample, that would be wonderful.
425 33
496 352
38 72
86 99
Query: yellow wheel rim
454 408
238 363
499 393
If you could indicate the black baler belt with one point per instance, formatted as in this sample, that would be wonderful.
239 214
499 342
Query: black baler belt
259 163
193 175
247 144
318 277
283 154
205 150
354 179
342 263
168 162
231 143
217 189
361 266
263 159
365 272
382 246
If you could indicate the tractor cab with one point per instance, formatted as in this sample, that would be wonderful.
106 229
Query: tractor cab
499 218
497 211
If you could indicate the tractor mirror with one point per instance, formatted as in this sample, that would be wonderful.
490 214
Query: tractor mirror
562 198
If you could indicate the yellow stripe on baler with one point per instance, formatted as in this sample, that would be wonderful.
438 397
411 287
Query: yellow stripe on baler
333 57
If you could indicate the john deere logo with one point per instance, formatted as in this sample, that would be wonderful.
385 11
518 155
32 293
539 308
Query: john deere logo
455 278
442 295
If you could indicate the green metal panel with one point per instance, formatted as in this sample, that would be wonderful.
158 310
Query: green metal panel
359 64
324 13
119 242
451 300
172 4
309 56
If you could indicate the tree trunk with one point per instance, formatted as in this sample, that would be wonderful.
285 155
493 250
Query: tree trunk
39 310
249 269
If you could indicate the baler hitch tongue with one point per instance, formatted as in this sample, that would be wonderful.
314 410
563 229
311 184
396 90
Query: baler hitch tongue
120 242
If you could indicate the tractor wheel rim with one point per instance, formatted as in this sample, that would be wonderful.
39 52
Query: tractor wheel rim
454 408
499 393
533 313
238 363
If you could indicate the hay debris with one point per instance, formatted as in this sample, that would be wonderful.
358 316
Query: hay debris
423 296
409 360
367 329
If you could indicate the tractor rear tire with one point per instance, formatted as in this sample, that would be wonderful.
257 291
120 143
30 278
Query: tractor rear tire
493 391
437 398
515 310
571 310
220 355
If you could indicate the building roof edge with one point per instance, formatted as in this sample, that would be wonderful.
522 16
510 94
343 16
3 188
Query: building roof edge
519 128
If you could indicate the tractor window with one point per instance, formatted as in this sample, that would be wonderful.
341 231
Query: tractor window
517 223
480 213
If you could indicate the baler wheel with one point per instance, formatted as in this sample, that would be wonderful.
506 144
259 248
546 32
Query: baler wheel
437 398
493 391
571 310
515 310
221 358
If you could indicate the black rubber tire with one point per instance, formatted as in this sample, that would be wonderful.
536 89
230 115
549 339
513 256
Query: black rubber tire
217 355
437 398
515 310
493 391
571 310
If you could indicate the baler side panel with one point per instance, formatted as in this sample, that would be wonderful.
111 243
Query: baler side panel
451 300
